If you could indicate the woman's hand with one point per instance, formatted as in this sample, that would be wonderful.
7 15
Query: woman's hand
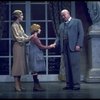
31 36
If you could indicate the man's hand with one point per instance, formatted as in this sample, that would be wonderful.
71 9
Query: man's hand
77 48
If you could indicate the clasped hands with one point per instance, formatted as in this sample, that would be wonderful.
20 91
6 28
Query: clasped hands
52 45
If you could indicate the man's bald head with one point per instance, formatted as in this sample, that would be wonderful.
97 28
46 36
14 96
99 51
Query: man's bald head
65 14
65 11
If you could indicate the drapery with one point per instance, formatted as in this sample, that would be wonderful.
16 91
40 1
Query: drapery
55 8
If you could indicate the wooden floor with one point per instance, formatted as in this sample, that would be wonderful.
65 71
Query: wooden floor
53 91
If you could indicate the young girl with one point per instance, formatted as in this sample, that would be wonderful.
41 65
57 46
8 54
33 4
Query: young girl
36 58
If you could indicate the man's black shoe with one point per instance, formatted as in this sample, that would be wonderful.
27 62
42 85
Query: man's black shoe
67 88
71 88
76 88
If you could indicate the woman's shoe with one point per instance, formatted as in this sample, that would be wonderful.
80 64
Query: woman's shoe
23 89
18 90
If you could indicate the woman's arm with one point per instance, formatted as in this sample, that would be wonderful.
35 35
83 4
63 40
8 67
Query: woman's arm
19 35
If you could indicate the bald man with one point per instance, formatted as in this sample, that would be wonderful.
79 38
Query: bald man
70 38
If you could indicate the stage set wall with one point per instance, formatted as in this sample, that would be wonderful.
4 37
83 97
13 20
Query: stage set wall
38 12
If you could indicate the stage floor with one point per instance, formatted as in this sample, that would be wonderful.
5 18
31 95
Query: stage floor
53 91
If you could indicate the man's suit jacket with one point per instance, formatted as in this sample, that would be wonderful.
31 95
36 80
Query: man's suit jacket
75 34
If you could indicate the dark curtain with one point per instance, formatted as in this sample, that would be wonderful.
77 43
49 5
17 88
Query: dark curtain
2 16
55 8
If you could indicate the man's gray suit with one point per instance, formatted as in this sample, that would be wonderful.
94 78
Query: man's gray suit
71 34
